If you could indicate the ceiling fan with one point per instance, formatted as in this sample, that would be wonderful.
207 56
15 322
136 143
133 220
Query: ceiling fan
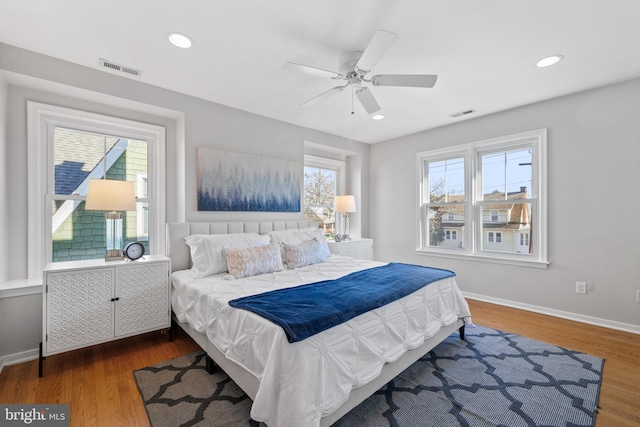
353 68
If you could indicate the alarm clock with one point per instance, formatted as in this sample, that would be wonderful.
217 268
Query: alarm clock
133 251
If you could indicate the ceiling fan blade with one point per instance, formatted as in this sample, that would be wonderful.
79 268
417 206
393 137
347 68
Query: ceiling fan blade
319 72
324 95
367 100
378 46
408 80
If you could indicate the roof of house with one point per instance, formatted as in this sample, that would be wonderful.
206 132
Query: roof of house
76 154
518 212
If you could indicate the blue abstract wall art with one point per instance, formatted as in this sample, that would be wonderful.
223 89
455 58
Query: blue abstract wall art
229 181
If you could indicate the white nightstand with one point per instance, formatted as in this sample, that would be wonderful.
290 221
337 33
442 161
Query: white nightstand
355 248
92 301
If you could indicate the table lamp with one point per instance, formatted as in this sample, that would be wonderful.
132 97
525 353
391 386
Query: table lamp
111 196
345 205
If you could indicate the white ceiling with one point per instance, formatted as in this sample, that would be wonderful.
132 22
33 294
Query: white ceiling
484 51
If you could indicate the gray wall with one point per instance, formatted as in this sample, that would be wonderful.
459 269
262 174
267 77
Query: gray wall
4 225
190 122
594 200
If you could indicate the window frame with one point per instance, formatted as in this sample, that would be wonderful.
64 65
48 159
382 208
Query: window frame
41 121
472 241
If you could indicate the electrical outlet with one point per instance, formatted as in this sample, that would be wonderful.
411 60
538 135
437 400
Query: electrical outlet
581 287
638 295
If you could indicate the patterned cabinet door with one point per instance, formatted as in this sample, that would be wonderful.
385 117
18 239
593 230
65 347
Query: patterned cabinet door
79 308
143 298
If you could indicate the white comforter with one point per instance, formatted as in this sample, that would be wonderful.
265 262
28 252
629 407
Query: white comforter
305 381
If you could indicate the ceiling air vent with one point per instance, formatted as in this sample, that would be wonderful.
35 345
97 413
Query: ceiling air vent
120 68
463 113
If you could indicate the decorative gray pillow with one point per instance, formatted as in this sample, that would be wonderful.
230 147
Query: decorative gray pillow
253 261
296 236
305 253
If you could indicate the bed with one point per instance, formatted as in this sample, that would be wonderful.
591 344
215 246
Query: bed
319 379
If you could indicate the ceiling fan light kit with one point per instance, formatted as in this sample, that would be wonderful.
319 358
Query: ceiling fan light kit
353 68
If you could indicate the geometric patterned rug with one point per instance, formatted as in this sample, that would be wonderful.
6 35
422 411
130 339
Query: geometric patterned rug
492 378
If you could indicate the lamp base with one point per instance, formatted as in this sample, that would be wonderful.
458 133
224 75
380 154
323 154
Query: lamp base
114 255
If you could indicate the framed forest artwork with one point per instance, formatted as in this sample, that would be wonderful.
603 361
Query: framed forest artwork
229 181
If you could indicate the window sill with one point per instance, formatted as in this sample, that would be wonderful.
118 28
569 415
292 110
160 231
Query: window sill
22 287
485 259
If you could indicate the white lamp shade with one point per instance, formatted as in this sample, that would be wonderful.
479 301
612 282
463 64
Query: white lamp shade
110 195
345 204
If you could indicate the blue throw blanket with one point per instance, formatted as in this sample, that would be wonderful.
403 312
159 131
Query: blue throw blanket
305 310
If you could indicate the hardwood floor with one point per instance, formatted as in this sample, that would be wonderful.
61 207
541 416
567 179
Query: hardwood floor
98 382
620 392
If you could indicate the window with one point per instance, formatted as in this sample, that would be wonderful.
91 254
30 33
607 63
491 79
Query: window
493 192
67 148
494 237
322 182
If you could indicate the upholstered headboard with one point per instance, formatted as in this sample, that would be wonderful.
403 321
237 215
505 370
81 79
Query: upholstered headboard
179 252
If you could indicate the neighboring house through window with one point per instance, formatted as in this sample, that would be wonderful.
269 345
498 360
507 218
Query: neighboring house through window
67 149
491 192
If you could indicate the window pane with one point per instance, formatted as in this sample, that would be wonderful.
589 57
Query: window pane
79 156
511 233
446 226
319 193
323 216
76 233
506 172
446 180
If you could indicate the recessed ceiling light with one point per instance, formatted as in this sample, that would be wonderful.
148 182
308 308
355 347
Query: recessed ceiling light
549 61
180 40
377 117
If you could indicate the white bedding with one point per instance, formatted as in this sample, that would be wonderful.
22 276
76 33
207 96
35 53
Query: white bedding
304 381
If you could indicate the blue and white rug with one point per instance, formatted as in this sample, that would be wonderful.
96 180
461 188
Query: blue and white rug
492 378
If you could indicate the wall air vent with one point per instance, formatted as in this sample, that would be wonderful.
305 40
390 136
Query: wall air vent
463 113
120 68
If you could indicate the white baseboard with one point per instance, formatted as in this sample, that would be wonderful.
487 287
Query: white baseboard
626 327
14 359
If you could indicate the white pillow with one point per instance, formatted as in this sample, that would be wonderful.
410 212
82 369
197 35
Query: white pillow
253 261
206 250
305 253
297 236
